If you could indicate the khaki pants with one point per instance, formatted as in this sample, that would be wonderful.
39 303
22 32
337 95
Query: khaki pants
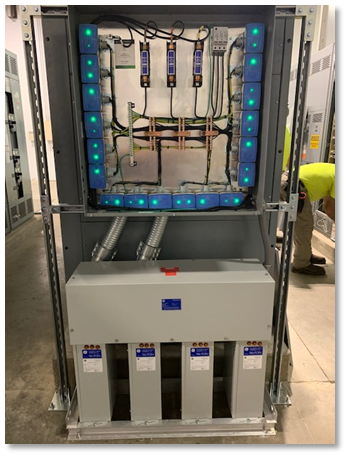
303 229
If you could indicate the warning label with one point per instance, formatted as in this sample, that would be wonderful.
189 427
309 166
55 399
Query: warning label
252 358
146 359
92 361
314 141
199 359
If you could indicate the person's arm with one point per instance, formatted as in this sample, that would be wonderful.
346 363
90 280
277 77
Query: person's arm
329 206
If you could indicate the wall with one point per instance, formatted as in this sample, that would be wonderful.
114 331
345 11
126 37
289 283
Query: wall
14 43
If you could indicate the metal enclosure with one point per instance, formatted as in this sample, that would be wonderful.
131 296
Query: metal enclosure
95 315
18 197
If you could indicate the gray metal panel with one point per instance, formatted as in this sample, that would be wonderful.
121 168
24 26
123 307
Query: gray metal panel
247 384
96 391
145 387
197 386
233 299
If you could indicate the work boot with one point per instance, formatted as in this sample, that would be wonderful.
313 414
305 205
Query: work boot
312 270
317 260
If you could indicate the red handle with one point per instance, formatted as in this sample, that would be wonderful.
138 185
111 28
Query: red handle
170 271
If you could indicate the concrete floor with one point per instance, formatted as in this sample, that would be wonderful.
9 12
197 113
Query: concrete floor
30 346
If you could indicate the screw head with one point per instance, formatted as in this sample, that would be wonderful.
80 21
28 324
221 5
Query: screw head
310 22
36 9
309 34
26 35
311 10
24 9
25 22
300 10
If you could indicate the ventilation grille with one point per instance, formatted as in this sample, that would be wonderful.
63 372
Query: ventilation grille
321 64
11 65
30 207
7 64
318 117
22 210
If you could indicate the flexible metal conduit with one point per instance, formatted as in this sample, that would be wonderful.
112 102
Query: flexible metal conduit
105 250
150 250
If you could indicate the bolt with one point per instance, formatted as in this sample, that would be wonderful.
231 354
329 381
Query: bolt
26 35
45 219
44 199
309 34
44 210
24 9
36 9
300 10
311 10
25 22
310 22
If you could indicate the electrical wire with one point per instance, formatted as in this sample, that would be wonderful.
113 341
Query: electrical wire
222 84
171 103
145 100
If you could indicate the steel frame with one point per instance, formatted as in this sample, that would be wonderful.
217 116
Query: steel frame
215 427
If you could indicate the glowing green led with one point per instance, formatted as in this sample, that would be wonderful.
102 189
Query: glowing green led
255 31
250 117
91 91
90 75
226 201
189 202
106 202
95 145
247 169
130 202
88 46
252 89
178 202
236 201
96 156
155 202
89 62
249 129
246 179
254 45
97 171
248 144
88 32
251 102
253 61
117 202
141 202
93 119
202 201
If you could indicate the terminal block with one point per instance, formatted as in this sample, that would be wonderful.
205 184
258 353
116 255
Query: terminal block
219 40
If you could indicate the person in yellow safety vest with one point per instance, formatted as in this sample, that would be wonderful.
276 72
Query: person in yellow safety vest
287 145
317 182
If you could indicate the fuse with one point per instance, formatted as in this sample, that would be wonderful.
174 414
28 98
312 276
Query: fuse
231 198
88 38
160 201
95 151
246 174
93 125
89 69
171 64
205 200
136 201
254 37
252 68
198 64
184 201
247 149
112 200
249 123
97 176
145 64
91 97
251 96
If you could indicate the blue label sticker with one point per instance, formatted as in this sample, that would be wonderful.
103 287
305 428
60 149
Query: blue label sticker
171 304
258 350
199 352
145 352
91 354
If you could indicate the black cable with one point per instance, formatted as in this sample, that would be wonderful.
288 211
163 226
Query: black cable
195 111
227 164
171 103
159 162
145 103
222 84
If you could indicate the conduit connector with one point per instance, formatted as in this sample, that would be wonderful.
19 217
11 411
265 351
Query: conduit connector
150 249
105 250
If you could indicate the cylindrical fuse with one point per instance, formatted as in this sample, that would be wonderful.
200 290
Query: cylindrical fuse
145 64
198 64
171 64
